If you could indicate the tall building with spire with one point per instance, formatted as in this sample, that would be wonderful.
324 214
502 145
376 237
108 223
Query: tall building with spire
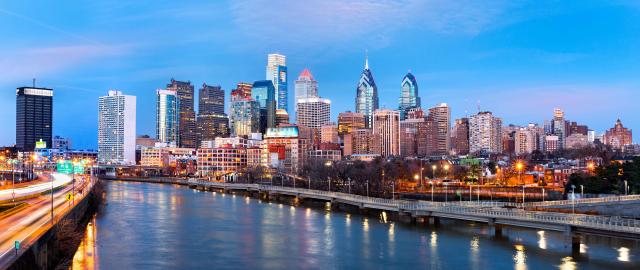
277 74
408 96
367 95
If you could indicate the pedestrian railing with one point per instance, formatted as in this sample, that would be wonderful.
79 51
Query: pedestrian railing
466 208
584 201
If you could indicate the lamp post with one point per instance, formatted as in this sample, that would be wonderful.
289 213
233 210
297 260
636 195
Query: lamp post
522 196
309 179
367 187
433 171
431 183
573 198
626 187
421 169
349 182
446 171
393 190
581 191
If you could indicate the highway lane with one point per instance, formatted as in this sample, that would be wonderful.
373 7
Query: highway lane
27 224
59 180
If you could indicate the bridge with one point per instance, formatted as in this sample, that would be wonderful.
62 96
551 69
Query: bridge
495 214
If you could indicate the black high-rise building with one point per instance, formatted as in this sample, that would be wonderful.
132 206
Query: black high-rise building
212 121
34 120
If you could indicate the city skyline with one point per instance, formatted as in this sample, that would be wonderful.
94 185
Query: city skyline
544 76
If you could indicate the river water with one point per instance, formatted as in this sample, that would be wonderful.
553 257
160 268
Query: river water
156 226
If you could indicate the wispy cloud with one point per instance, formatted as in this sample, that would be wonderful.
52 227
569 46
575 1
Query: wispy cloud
35 62
327 22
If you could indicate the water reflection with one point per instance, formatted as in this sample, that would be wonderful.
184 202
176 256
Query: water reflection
86 256
520 259
542 241
567 264
623 254
172 227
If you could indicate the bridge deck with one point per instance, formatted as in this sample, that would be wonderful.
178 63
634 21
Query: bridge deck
493 213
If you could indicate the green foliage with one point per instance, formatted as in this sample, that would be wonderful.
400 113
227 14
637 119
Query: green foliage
609 179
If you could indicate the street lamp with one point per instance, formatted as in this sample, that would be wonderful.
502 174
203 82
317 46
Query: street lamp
433 171
446 171
626 188
581 191
519 168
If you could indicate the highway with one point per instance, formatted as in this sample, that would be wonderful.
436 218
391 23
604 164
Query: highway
59 180
28 222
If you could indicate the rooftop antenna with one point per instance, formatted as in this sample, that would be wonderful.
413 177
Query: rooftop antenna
478 105
366 59
34 82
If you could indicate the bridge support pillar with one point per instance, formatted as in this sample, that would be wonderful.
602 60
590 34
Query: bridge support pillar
495 229
573 239
435 221
406 218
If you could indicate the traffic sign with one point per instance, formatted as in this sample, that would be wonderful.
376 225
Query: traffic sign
17 244
69 196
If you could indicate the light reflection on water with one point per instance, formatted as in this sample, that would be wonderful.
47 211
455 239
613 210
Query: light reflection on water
165 226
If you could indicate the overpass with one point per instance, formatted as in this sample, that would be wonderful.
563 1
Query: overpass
495 214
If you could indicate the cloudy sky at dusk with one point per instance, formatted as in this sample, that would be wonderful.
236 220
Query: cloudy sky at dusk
519 59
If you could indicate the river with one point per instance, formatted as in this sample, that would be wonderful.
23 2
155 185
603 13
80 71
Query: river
160 226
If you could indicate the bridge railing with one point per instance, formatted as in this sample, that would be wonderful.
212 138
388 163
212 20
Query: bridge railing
482 209
584 201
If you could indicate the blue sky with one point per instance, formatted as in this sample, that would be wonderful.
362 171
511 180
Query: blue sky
519 59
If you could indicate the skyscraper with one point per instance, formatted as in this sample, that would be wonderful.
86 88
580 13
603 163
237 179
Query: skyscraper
313 113
367 95
306 86
485 133
277 74
386 128
167 116
212 122
117 128
349 121
264 93
34 120
244 112
559 127
187 116
441 115
408 96
460 137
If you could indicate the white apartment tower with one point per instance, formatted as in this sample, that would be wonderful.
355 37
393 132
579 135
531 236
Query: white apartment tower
485 133
117 128
313 112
